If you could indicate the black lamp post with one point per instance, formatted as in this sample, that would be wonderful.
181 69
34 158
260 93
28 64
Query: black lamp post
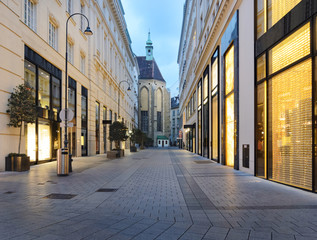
86 32
129 89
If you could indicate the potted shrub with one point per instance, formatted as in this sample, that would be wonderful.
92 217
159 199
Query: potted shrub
21 109
138 137
117 133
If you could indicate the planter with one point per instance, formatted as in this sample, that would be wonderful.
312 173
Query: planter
132 149
17 163
115 153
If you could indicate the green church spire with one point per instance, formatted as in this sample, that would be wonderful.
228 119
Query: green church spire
149 48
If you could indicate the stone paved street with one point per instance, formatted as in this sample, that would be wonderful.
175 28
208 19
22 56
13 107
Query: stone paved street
161 194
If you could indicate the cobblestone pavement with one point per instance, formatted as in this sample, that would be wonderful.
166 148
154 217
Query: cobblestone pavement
152 194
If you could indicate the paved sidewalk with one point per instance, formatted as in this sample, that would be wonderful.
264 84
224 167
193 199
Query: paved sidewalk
153 194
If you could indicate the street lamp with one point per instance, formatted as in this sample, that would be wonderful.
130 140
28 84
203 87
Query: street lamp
86 32
129 89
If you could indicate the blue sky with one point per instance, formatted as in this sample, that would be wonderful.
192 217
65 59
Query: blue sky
164 19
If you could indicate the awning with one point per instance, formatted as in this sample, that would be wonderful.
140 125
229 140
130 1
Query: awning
190 125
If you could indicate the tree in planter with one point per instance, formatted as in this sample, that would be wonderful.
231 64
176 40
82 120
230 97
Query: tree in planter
118 133
138 137
21 109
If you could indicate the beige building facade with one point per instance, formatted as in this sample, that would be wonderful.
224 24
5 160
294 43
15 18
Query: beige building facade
32 49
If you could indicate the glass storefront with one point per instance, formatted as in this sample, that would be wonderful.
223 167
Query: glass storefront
43 138
269 12
284 118
199 134
206 113
104 130
97 117
72 86
214 106
229 107
84 122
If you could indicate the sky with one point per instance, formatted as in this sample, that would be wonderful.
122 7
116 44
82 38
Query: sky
164 20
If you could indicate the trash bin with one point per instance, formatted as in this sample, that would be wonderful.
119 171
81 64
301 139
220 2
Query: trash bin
62 162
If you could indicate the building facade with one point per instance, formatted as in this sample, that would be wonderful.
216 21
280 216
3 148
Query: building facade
33 50
174 121
154 98
247 74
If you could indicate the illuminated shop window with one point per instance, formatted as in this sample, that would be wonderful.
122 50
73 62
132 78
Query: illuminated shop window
278 9
291 126
261 68
44 89
229 106
293 48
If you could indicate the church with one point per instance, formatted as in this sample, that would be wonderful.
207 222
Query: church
154 99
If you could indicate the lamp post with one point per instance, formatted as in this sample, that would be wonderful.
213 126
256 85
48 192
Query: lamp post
129 89
86 32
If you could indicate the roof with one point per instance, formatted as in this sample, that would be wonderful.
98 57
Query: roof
162 137
149 69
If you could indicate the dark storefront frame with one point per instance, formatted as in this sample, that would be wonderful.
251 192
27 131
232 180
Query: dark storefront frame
205 111
84 122
46 115
298 17
199 118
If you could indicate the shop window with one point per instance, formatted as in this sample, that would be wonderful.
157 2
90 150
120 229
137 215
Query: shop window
290 128
72 105
84 122
44 89
290 50
261 131
105 130
30 75
277 9
214 106
206 113
261 67
261 17
229 107
56 96
97 117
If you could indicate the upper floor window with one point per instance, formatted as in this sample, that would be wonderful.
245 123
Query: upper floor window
82 64
82 20
30 14
52 36
70 52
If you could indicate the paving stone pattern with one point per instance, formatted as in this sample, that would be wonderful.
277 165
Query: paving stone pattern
161 194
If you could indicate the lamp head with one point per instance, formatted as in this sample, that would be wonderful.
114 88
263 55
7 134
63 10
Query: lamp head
129 89
88 31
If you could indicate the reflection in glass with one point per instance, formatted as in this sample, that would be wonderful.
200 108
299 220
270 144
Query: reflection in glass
291 119
44 89
199 133
84 151
72 130
97 128
293 48
229 74
56 96
29 75
261 131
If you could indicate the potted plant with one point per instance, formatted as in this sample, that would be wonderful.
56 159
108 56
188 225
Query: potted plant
117 133
138 137
21 109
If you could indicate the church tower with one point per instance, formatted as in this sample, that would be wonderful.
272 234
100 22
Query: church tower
149 49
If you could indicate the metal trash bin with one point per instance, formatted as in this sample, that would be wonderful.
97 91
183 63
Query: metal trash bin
62 162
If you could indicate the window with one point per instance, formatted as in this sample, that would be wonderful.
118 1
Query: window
69 6
84 121
70 52
44 89
30 75
82 64
159 121
52 36
144 121
97 128
72 103
56 96
30 14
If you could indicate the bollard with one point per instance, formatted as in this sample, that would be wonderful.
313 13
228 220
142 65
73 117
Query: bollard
62 162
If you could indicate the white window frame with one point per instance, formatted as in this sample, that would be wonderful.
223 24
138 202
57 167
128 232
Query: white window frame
30 14
70 52
52 35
